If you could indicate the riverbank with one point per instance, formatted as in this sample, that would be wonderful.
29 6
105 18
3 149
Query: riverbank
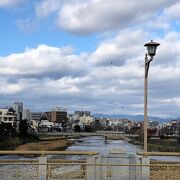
11 143
59 143
45 145
157 147
117 137
165 146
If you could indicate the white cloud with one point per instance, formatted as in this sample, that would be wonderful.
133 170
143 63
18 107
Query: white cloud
168 51
91 16
119 50
43 60
159 23
113 73
173 11
172 100
45 8
7 88
101 15
52 75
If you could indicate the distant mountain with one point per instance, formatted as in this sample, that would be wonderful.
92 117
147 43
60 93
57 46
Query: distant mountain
132 117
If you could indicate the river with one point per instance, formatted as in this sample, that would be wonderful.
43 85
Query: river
96 143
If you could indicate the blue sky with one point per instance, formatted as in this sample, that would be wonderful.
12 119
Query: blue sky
44 32
89 55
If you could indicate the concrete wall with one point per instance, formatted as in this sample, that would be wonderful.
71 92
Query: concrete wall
118 172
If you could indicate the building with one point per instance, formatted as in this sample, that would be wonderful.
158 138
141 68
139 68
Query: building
26 114
33 126
46 123
83 117
82 113
18 108
87 120
58 115
104 122
153 124
36 116
8 116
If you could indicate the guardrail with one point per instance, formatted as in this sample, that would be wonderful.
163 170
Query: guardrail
90 153
90 168
11 169
158 153
82 171
99 133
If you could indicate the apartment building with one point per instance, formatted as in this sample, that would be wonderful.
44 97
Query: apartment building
57 115
8 116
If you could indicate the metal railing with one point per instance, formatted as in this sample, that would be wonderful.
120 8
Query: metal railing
159 153
85 169
41 168
76 170
98 133
90 153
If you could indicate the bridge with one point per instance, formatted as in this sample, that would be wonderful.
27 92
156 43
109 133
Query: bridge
97 133
93 166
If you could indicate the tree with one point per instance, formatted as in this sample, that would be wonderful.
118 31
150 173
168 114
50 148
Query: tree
77 128
23 128
88 128
6 129
151 132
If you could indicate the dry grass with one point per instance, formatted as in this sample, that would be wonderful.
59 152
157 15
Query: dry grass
44 146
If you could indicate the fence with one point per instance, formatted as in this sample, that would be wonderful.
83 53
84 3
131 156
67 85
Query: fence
98 133
79 171
90 168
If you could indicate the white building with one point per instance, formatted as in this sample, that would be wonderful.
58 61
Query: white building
83 117
46 123
87 120
33 125
7 116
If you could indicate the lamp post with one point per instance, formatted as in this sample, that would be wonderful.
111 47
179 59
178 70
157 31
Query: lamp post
151 48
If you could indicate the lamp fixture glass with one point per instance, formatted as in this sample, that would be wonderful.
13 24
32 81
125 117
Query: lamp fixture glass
151 48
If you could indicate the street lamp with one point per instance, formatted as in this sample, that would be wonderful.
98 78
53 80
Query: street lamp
151 48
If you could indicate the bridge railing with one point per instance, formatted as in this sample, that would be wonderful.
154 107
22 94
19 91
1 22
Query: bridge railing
38 167
89 168
97 133
81 171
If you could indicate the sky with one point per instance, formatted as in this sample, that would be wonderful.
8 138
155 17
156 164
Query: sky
89 55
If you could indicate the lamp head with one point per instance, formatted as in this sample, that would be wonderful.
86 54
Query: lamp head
151 48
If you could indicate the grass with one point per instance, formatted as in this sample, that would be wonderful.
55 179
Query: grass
45 145
157 147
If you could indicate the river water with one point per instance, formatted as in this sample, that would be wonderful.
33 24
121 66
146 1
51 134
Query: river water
96 143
